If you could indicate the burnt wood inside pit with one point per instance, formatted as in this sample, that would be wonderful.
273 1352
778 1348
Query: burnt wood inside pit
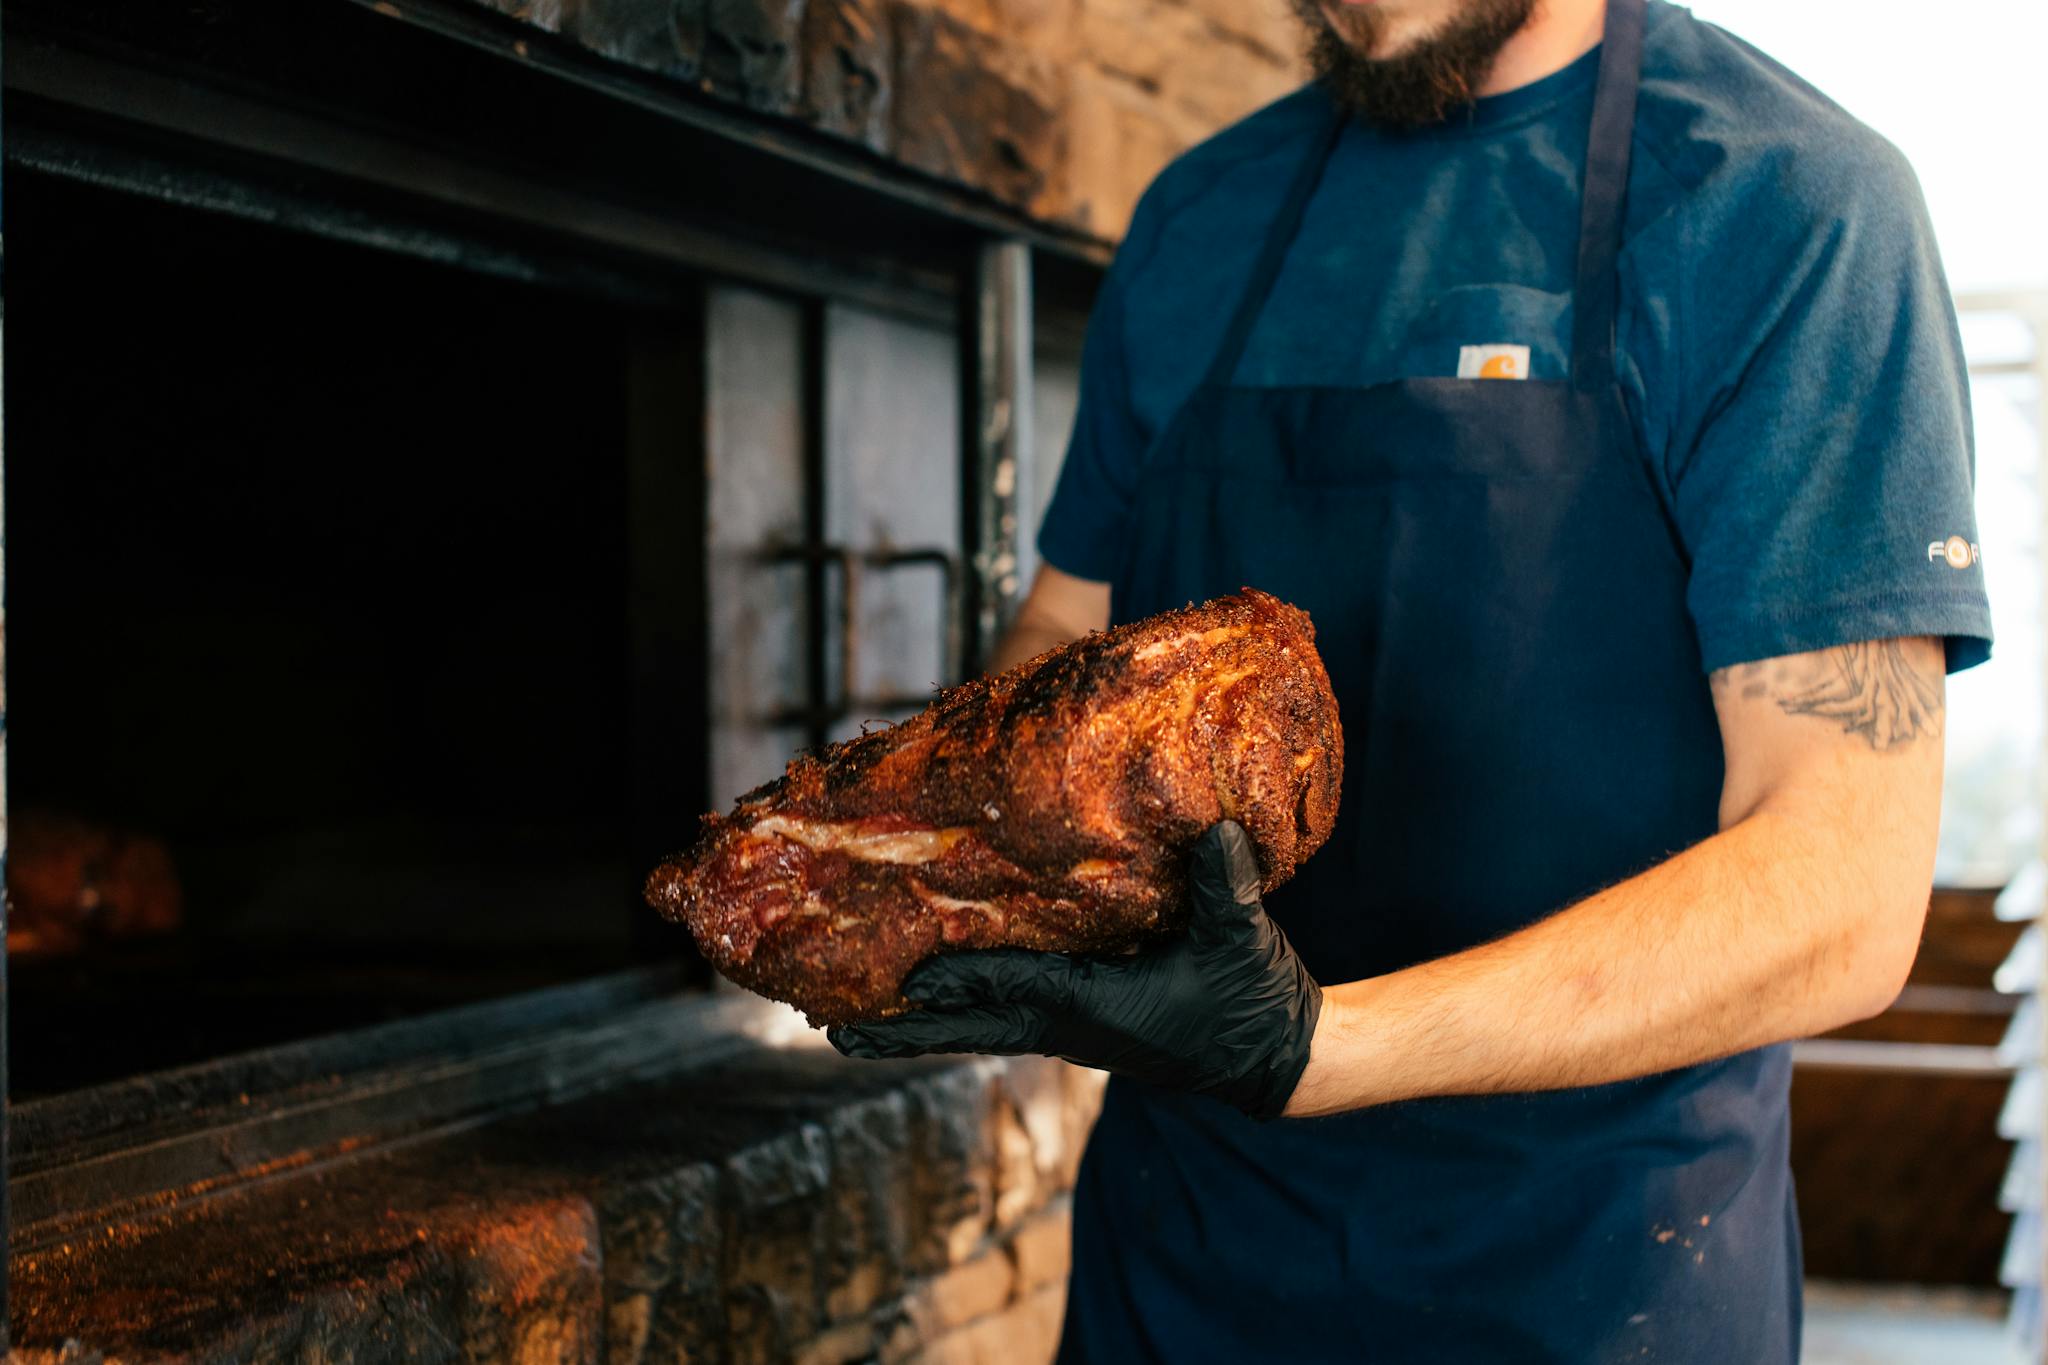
320 576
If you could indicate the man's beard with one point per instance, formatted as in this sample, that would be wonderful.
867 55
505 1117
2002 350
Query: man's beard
1417 87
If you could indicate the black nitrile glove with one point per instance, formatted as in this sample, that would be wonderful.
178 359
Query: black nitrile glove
1225 1009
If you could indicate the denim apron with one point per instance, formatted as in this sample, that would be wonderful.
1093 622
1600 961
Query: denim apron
1499 597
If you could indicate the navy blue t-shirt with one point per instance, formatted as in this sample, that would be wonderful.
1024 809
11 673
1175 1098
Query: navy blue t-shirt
1786 338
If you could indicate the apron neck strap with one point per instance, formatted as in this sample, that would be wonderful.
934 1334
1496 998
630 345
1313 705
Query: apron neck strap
1274 253
1609 142
1608 146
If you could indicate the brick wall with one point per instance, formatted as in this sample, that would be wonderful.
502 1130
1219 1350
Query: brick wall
787 1205
927 1222
1064 108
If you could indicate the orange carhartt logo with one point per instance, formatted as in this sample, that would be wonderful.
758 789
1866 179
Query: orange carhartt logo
1956 552
1498 361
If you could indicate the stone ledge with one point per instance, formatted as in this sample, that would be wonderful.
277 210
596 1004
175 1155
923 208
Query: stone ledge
780 1205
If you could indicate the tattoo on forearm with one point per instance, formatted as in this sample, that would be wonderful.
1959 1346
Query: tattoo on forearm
1873 689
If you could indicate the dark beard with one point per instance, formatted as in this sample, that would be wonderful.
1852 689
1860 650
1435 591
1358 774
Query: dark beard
1418 87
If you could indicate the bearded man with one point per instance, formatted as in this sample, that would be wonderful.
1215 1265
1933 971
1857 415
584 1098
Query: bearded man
1592 382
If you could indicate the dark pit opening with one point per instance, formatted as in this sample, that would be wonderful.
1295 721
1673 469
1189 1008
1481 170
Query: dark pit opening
318 595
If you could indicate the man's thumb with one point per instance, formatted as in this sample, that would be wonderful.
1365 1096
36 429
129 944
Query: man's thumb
1223 878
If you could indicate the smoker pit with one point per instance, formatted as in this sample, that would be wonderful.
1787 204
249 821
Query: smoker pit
441 463
320 583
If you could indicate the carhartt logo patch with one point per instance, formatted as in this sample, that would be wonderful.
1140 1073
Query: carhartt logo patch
1956 552
1497 361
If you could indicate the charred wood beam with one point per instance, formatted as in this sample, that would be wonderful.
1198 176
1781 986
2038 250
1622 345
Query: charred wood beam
147 133
908 98
303 202
474 120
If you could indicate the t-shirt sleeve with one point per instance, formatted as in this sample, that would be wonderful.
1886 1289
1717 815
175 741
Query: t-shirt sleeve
1087 522
1820 466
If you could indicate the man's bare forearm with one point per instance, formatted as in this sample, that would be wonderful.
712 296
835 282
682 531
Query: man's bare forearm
1024 640
1743 940
1800 915
1059 608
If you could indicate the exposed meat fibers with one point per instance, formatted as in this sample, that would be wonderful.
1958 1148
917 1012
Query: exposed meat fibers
1051 806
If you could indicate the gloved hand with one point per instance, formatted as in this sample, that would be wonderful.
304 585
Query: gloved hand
1224 1009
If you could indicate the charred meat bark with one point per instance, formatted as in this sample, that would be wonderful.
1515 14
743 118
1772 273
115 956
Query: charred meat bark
1050 807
